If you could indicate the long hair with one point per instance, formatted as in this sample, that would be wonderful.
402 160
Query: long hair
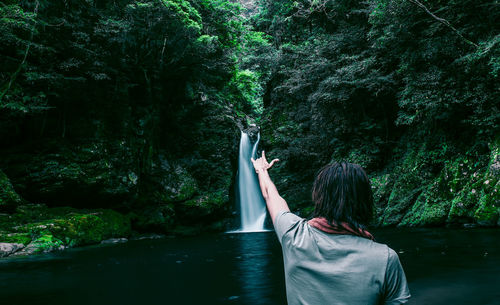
342 192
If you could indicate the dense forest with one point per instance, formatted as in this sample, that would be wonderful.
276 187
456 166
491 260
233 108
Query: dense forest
123 117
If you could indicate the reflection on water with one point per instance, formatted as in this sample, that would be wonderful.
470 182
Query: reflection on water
448 266
443 266
255 270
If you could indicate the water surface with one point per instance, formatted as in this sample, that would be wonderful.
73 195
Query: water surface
443 266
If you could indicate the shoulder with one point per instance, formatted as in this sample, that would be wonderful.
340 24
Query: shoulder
392 258
285 222
395 284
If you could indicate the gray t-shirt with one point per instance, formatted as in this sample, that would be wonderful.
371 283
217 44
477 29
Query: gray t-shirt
322 268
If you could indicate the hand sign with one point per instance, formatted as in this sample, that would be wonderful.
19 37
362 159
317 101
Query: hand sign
261 163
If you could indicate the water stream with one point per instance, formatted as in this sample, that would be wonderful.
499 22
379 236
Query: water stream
252 205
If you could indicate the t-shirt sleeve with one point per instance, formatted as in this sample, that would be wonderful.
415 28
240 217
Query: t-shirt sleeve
284 222
396 287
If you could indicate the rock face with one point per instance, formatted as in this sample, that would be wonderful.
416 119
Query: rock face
252 132
7 249
422 185
87 191
83 175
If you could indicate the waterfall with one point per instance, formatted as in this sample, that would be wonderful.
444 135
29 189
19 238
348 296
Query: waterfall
252 204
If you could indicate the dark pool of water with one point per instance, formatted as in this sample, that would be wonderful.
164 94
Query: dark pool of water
443 266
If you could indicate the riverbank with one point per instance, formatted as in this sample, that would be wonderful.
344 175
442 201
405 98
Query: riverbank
36 228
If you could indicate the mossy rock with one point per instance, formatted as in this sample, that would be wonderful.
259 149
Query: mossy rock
427 211
477 186
488 210
186 186
410 181
432 206
169 182
78 227
157 218
205 208
20 238
487 214
44 243
82 229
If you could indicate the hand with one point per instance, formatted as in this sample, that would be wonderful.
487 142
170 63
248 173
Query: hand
261 163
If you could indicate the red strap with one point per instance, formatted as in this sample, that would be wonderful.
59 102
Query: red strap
322 224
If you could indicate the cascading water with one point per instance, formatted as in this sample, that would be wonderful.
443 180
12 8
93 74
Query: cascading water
252 205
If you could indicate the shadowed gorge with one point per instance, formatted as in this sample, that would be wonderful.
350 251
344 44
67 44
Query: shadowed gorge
123 119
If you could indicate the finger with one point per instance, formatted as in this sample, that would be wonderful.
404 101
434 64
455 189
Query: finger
272 162
264 156
251 159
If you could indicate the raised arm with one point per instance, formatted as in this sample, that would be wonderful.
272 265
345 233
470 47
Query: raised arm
275 203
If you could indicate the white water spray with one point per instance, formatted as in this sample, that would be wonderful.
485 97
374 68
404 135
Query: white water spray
252 205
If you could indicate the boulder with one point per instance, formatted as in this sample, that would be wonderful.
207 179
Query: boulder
114 241
157 218
7 249
44 243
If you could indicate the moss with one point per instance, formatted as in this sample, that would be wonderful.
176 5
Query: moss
172 183
208 202
82 229
44 243
487 214
205 208
432 205
412 176
431 189
187 186
381 187
20 238
476 185
488 208
427 211
70 226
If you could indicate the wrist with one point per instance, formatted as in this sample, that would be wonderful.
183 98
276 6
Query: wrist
261 171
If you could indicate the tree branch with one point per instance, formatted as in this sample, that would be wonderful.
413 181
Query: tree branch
21 65
443 21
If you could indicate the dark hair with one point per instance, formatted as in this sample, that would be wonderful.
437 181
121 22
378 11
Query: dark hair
342 192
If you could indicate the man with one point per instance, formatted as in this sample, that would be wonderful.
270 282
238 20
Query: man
332 258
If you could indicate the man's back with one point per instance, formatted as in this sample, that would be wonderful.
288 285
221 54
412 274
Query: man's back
322 268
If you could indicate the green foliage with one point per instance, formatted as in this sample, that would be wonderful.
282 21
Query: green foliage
386 85
8 196
136 105
183 11
246 84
